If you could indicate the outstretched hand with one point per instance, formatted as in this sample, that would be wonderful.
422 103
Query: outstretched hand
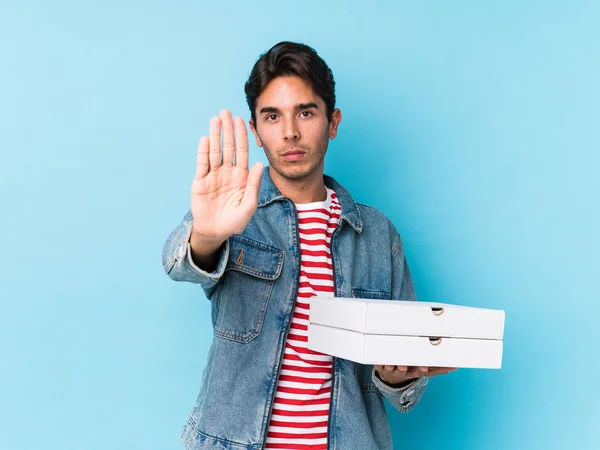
224 191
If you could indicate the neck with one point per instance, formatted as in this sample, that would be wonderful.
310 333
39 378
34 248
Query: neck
306 190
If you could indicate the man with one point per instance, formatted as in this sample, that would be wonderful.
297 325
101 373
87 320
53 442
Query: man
261 243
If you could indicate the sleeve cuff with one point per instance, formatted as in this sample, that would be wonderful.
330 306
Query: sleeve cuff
181 267
403 398
186 252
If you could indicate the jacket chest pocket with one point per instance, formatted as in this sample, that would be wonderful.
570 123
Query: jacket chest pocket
251 271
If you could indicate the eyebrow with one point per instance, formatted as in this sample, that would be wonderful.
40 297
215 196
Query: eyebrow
298 107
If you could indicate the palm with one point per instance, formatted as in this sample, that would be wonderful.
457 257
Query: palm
224 196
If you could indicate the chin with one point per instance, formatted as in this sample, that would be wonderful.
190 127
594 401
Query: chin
294 173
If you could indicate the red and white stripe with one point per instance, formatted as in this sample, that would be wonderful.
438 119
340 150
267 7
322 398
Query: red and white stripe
300 413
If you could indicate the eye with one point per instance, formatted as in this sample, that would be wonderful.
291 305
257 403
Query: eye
271 117
306 113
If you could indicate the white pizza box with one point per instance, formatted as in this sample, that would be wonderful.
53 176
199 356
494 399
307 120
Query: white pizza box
405 350
407 318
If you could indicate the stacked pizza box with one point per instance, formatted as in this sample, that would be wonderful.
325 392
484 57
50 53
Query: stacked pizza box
406 333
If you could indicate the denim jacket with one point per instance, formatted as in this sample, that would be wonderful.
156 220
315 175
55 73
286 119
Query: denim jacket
252 293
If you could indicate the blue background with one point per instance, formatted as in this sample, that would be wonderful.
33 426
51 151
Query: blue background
472 125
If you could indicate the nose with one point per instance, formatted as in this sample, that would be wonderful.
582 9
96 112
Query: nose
291 132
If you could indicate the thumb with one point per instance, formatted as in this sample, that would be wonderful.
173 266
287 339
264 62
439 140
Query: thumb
250 199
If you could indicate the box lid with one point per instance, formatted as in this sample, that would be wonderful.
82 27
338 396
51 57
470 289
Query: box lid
407 318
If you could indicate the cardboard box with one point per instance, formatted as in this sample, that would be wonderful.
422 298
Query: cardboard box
408 333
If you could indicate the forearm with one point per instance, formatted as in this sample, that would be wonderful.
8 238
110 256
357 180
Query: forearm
205 252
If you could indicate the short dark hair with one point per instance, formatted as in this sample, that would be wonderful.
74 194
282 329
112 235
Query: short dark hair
291 58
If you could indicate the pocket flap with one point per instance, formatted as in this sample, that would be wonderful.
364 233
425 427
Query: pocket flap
254 258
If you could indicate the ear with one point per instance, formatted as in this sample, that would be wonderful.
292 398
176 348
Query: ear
336 118
253 129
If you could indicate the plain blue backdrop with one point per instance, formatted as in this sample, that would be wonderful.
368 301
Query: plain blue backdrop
473 125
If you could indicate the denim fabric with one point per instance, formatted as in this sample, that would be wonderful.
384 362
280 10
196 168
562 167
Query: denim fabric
252 293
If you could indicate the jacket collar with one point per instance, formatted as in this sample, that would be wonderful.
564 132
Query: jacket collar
268 193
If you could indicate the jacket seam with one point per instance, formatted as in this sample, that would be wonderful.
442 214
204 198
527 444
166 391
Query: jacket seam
167 267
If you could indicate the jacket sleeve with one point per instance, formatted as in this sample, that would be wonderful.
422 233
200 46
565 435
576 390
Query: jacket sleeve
177 258
406 397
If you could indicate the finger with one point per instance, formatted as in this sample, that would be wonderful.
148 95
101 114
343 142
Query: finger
250 199
241 144
228 142
389 368
215 143
437 371
414 372
401 370
202 165
423 369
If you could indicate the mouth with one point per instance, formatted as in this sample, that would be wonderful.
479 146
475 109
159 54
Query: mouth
293 155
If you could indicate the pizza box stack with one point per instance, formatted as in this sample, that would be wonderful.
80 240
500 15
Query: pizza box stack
406 333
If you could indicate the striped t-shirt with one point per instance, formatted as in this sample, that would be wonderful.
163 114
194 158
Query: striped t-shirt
300 414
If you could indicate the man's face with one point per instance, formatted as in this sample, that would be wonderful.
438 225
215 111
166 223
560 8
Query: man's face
292 127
